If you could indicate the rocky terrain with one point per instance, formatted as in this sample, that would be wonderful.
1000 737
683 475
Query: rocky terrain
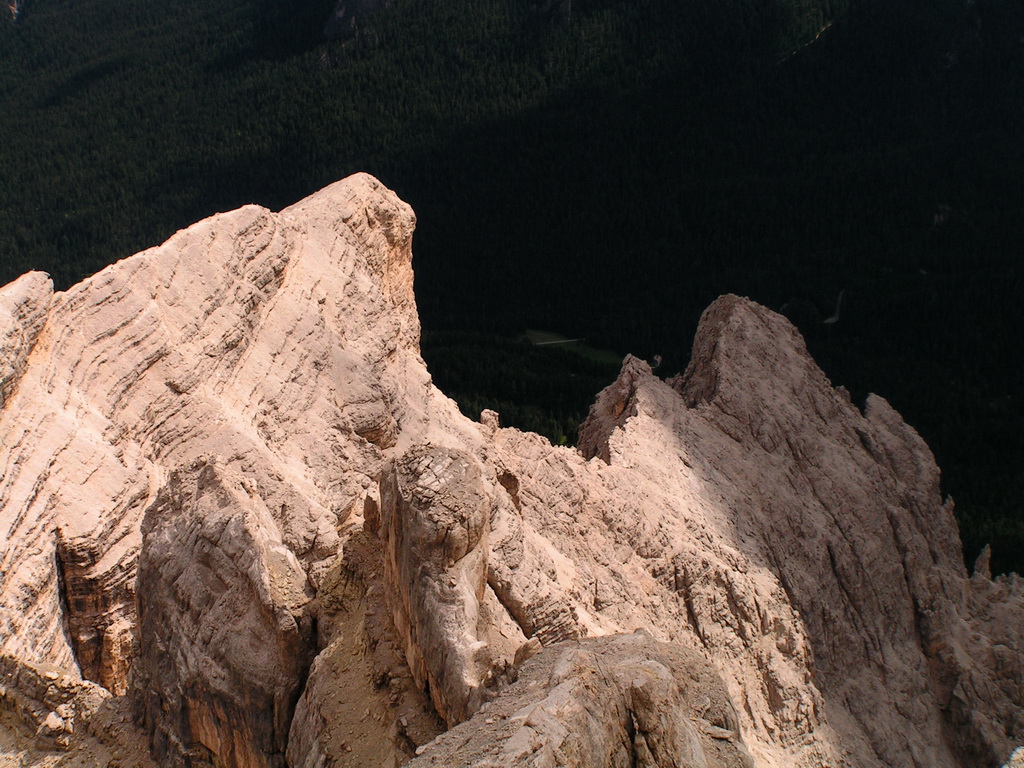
242 528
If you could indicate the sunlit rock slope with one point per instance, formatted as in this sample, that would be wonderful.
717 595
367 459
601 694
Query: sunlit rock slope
232 499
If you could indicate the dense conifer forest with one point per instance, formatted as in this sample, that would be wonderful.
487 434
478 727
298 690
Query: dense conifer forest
603 174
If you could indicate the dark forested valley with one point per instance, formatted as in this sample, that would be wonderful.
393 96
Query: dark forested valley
601 171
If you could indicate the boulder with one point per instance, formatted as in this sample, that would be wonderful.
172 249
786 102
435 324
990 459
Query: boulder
619 700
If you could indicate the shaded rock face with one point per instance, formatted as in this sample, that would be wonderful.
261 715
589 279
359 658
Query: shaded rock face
226 640
860 531
99 599
228 487
436 508
844 510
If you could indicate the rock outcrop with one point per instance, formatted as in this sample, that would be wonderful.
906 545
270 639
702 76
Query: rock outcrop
841 513
48 702
227 640
436 509
618 700
232 499
101 608
50 716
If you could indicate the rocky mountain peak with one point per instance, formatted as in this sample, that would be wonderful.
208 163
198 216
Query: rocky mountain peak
234 501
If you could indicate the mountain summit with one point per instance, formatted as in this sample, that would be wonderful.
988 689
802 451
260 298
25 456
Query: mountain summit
236 508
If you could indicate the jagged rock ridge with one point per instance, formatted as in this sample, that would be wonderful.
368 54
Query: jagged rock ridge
231 493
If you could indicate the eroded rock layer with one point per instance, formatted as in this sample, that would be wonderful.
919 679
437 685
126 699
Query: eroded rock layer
227 640
231 495
620 700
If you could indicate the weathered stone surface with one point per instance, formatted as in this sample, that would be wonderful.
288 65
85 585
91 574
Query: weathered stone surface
436 508
101 610
226 477
981 675
597 549
284 344
842 512
226 642
623 700
360 705
51 718
46 701
23 307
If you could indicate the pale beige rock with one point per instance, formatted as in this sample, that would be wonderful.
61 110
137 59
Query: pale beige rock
624 700
47 703
227 478
615 549
50 718
284 344
842 512
1016 759
436 508
23 307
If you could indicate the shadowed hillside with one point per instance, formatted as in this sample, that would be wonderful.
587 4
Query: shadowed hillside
604 179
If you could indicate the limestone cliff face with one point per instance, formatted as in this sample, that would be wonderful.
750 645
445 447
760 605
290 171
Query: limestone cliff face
232 497
840 513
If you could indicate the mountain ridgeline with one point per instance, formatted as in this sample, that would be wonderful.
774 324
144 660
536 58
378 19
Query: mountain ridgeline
240 508
604 174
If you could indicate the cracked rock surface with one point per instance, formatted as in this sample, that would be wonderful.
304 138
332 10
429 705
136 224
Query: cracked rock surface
621 700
